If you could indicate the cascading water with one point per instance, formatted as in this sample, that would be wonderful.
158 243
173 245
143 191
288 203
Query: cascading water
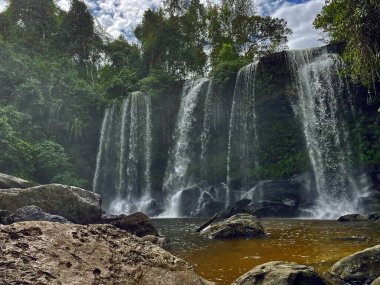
323 108
123 171
185 153
243 141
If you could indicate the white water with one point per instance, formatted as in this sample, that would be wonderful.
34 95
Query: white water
243 139
322 109
123 171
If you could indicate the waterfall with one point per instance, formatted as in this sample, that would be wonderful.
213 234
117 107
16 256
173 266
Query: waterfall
243 141
322 106
123 170
178 175
183 166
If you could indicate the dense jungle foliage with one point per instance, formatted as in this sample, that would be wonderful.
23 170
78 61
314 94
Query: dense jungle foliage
59 70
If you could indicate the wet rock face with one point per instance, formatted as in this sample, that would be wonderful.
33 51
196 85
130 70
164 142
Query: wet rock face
280 273
54 253
8 181
74 204
362 267
238 226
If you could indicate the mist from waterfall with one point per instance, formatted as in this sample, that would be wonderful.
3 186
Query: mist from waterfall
321 104
123 170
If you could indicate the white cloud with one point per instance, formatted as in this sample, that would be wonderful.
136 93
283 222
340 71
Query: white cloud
122 16
300 19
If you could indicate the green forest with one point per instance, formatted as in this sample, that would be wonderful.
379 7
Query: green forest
59 70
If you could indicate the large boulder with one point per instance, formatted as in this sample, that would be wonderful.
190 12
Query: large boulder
53 253
238 226
280 273
138 224
33 213
352 218
74 204
362 267
8 181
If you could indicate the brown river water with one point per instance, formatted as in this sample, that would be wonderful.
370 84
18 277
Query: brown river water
318 243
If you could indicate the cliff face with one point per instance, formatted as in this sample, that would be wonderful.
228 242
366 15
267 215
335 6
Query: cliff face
289 117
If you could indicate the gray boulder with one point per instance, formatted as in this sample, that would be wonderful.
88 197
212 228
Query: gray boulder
238 226
52 253
280 273
33 213
8 181
74 204
362 267
138 224
352 218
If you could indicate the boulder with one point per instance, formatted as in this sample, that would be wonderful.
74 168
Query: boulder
138 224
376 282
280 273
239 207
238 226
33 213
8 181
52 253
277 198
362 267
374 216
188 200
352 218
74 204
109 218
371 202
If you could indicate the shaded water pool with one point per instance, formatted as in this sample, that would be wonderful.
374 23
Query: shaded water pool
311 242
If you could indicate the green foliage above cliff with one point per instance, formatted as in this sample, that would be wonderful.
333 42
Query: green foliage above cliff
357 25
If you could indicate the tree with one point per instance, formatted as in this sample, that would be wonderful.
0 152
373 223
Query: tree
236 23
33 20
356 23
174 39
78 30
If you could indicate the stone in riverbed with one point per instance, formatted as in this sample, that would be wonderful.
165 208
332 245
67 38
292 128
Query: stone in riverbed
362 267
74 204
280 273
33 213
138 224
238 226
352 218
51 253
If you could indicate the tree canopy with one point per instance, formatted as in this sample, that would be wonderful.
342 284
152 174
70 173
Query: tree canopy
356 24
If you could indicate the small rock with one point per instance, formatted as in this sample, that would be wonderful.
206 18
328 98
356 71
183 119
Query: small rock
33 213
138 224
352 218
238 226
280 273
362 267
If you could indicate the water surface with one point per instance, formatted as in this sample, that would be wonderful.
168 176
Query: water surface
318 243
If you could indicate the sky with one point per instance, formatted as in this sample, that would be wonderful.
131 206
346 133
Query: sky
122 16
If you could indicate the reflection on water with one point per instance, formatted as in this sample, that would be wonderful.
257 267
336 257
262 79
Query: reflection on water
310 242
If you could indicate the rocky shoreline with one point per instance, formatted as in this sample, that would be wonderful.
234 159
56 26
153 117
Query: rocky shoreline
57 234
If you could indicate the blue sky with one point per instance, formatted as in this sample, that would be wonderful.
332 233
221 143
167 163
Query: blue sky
121 16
